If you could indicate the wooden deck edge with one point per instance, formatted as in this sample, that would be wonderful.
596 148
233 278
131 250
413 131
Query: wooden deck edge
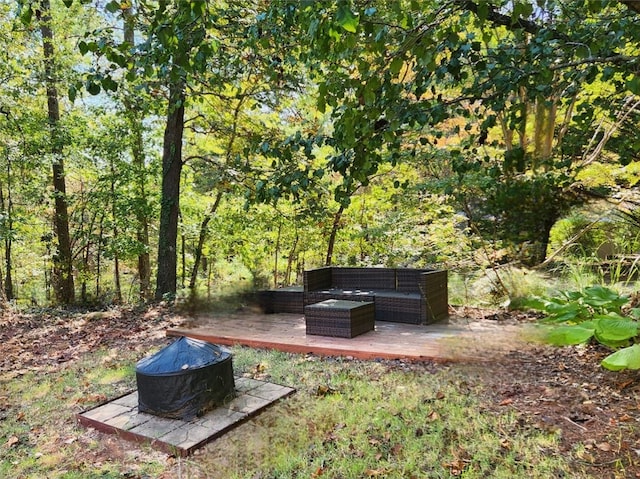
307 349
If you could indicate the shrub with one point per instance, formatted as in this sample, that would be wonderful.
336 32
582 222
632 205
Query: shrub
593 314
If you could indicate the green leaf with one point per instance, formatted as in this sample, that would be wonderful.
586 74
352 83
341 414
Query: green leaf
396 65
346 19
26 14
322 97
633 85
73 92
113 6
93 88
599 296
568 335
483 11
614 330
108 84
83 47
627 358
535 303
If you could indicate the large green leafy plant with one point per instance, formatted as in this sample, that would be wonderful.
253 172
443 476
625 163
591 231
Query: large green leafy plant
595 313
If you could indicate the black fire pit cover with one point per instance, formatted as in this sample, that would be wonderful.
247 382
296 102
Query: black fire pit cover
185 379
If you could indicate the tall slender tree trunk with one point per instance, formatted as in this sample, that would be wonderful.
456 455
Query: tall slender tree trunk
276 256
137 152
7 209
334 233
292 256
63 260
166 280
114 219
201 239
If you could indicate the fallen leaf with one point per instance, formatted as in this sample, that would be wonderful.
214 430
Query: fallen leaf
374 472
440 395
324 390
505 402
433 416
625 384
586 457
604 446
12 441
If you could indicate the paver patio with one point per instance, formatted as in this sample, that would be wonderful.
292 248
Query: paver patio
174 436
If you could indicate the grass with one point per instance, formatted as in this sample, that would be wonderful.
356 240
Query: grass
348 419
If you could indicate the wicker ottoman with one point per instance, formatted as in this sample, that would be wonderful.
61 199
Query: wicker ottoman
340 318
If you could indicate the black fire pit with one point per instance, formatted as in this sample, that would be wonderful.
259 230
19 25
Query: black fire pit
185 379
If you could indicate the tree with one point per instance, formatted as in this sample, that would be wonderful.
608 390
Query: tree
187 45
63 260
392 73
135 112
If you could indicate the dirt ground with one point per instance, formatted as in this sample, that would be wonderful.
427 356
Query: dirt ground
595 412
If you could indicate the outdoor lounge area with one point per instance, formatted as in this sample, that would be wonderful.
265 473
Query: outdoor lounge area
403 295
346 301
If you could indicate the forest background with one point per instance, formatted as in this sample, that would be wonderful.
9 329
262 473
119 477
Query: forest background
154 149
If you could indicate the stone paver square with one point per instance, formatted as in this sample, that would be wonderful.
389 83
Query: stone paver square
187 435
107 411
130 400
247 404
128 420
174 436
221 418
247 384
156 427
270 391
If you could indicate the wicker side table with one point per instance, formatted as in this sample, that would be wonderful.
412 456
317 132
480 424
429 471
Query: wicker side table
339 318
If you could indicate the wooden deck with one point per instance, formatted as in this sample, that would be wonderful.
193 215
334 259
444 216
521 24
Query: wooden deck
451 340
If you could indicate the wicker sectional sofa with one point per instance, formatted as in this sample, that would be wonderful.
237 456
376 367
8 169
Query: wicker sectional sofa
405 295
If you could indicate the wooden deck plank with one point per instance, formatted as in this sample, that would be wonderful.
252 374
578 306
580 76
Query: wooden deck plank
445 341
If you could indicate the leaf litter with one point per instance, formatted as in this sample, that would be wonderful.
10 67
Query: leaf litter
595 412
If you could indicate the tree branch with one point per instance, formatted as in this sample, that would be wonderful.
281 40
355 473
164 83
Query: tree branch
507 21
632 4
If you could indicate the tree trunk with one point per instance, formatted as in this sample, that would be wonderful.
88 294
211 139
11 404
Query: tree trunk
134 117
62 263
114 218
7 208
166 280
201 238
275 261
332 236
183 254
99 257
292 256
